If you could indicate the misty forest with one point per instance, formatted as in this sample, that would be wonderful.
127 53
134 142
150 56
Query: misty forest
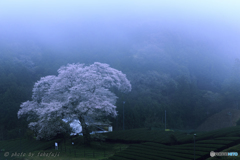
188 79
153 69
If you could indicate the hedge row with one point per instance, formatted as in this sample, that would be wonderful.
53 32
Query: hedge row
137 157
152 150
179 147
118 158
226 132
224 142
188 151
159 136
136 151
228 138
144 135
203 145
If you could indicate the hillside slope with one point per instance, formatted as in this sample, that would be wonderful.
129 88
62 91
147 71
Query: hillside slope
220 120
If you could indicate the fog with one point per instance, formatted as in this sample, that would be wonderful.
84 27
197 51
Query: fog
105 23
150 35
197 39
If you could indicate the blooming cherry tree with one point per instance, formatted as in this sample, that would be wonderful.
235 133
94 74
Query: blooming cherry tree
77 92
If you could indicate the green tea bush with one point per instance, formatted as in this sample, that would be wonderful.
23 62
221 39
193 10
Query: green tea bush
228 138
224 142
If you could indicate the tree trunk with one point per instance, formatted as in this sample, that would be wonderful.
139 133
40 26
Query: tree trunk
85 131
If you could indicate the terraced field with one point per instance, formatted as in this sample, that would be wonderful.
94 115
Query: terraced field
164 145
137 144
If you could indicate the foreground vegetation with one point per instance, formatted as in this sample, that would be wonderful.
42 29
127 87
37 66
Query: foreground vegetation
179 145
140 144
34 150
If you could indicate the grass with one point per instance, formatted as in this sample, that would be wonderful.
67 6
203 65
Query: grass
66 151
145 145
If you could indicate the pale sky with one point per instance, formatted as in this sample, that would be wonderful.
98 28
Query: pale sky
225 11
108 22
97 23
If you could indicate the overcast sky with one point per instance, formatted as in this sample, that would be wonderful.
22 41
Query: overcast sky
52 13
65 21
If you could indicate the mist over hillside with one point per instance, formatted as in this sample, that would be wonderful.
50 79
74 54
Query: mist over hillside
182 58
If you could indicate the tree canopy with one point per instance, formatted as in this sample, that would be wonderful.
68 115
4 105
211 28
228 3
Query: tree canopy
77 92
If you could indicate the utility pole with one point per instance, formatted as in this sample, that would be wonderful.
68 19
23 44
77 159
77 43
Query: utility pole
123 114
117 123
194 144
165 119
230 115
20 140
